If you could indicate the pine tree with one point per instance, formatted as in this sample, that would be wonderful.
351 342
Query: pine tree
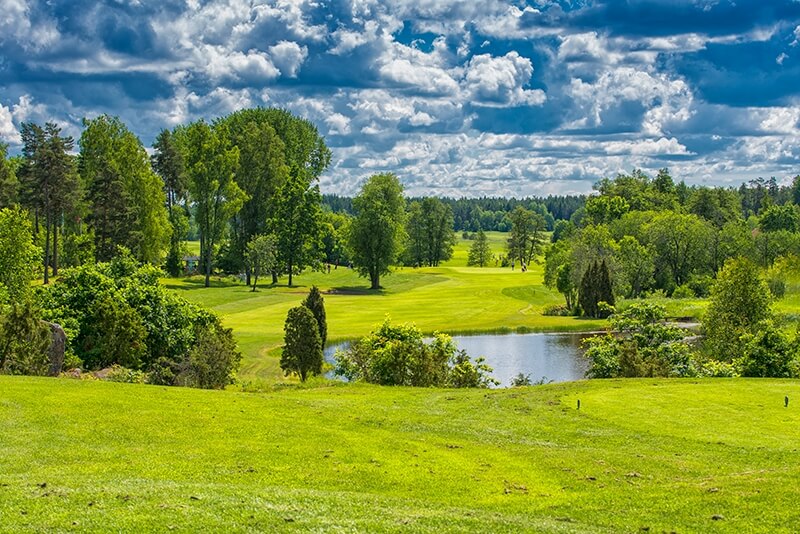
302 350
479 252
588 295
605 289
316 304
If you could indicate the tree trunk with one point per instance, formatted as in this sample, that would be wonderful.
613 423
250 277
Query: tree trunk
55 249
47 251
255 281
208 265
290 273
375 279
247 276
274 277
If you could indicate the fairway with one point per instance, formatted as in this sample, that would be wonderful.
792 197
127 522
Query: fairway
664 455
451 298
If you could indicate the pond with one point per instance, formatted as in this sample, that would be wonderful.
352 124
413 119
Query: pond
544 357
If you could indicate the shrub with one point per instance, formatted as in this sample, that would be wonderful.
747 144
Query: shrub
556 310
777 287
302 350
24 341
117 373
683 292
398 356
521 380
769 353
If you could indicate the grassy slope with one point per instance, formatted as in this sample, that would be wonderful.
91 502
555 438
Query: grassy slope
452 298
663 454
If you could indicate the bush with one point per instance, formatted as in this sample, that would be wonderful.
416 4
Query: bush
118 313
557 310
302 349
777 287
701 285
717 369
117 373
24 341
683 292
769 353
398 356
521 380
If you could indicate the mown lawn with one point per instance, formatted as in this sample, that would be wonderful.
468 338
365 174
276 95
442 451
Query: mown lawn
659 455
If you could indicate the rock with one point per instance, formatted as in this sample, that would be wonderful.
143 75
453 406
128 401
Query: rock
58 345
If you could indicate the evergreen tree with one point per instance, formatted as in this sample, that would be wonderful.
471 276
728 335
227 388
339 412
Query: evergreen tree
588 294
9 186
605 289
167 162
302 350
479 252
316 304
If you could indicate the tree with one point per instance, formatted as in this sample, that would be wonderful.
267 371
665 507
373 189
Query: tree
167 162
740 301
776 218
24 341
210 163
297 225
595 288
316 304
9 186
430 232
127 199
261 256
50 183
636 266
18 254
527 235
479 253
376 232
302 350
213 361
681 243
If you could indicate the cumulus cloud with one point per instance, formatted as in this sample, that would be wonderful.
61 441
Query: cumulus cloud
288 56
500 80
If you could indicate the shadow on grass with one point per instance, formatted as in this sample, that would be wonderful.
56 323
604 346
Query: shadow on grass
199 283
355 290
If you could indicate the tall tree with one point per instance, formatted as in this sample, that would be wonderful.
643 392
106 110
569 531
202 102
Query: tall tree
49 181
377 232
479 252
9 186
681 244
18 253
297 225
302 349
127 199
527 235
261 256
316 304
430 229
210 163
167 162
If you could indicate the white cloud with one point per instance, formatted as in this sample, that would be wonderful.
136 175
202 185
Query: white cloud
8 130
288 56
430 80
493 80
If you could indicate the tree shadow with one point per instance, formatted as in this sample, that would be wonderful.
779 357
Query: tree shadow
188 284
355 290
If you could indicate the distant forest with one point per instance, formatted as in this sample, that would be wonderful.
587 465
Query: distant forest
486 213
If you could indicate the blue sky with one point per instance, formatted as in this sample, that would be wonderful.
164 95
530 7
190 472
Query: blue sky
456 97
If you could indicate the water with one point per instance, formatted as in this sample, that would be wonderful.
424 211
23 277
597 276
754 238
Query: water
544 357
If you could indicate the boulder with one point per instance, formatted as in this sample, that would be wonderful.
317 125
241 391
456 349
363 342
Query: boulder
58 346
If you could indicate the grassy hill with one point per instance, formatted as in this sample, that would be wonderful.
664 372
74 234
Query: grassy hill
664 455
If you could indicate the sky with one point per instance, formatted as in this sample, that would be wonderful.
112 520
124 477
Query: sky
458 98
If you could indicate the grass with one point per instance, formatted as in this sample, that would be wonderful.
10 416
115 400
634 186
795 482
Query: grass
451 298
663 455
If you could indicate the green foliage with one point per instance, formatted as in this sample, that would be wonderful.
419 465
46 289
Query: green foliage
316 304
683 292
527 235
78 249
430 232
297 225
118 373
210 162
681 244
118 313
213 361
636 265
398 356
9 185
479 252
596 288
302 349
768 353
24 340
604 209
640 345
776 218
740 301
18 254
376 232
261 256
127 199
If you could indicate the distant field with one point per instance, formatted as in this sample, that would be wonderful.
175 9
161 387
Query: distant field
451 298
660 455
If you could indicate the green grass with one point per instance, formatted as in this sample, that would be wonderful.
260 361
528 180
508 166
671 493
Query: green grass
451 298
666 455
